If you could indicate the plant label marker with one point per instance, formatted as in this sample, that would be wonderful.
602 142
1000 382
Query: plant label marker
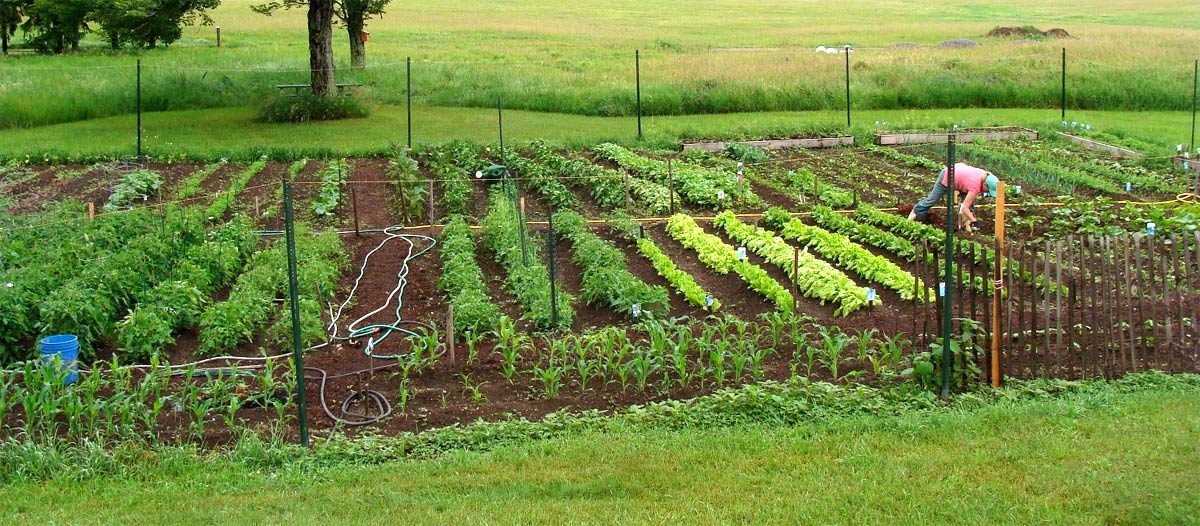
871 295
1128 187
941 289
720 195
708 301
741 253
1150 229
637 310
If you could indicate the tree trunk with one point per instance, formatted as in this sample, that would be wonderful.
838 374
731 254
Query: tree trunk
320 46
4 38
114 41
358 49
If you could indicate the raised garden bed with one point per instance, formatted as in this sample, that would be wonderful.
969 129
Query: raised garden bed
1115 151
775 144
966 135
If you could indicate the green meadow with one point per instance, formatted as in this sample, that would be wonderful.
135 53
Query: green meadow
701 57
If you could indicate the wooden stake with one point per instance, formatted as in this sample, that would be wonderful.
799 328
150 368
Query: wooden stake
403 202
1058 304
1168 326
671 179
997 275
627 200
796 281
91 211
354 205
450 334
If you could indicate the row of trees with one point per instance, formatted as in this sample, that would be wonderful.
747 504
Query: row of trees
53 26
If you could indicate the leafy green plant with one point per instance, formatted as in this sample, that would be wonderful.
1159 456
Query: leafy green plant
526 278
696 185
683 282
816 278
606 278
411 193
847 253
329 197
722 258
138 184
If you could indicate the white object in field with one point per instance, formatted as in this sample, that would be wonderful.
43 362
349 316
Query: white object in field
871 294
1178 148
708 300
1128 187
479 174
1150 228
637 309
741 251
941 289
1016 189
720 195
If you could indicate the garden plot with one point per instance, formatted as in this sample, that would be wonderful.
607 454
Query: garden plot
602 357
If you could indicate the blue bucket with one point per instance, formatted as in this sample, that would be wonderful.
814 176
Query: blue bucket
66 347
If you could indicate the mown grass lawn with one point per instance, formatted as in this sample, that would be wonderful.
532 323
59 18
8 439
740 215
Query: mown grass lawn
1094 457
234 133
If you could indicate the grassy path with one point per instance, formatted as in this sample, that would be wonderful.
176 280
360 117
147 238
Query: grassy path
1088 458
233 133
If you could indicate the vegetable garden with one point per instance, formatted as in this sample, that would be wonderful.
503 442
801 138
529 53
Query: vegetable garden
433 293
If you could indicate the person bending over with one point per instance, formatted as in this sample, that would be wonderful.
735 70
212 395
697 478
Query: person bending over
970 182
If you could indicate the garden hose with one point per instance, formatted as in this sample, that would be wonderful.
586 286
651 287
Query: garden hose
347 417
380 331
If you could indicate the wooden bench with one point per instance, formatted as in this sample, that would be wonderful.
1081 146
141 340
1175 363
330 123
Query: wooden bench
342 89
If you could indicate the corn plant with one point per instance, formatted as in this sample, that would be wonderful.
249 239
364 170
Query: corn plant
642 366
834 343
862 343
716 362
473 389
404 393
585 367
550 376
472 339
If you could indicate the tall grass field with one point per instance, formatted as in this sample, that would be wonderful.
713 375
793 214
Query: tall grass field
697 57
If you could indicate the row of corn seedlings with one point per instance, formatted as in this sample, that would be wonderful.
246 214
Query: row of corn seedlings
158 404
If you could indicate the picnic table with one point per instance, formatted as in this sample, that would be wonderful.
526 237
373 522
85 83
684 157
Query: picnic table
342 88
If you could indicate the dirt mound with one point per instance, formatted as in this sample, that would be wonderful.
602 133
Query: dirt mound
958 43
1027 32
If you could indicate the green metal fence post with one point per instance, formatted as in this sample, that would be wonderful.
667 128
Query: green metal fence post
293 292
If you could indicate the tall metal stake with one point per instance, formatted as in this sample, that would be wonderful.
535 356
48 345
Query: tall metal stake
293 291
847 50
1195 81
637 66
947 281
139 110
408 95
550 251
500 124
1064 84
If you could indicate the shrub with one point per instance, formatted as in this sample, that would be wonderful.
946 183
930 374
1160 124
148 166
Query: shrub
307 107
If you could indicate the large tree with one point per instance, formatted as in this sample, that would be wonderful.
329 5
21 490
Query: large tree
320 46
53 25
352 15
12 12
148 23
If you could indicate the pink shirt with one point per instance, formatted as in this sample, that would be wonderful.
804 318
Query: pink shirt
967 178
